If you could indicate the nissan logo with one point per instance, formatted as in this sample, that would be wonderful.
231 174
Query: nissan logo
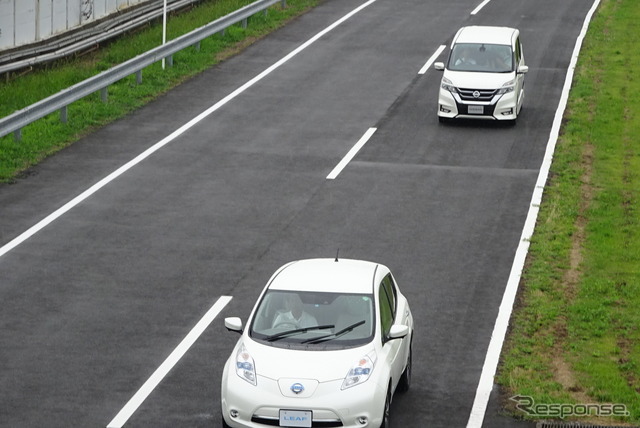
297 388
476 94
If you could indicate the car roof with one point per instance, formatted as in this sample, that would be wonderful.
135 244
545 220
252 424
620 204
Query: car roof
328 275
485 34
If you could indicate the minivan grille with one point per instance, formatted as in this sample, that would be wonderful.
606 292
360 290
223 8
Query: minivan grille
482 94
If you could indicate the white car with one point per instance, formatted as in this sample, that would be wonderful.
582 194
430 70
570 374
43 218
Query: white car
326 345
484 75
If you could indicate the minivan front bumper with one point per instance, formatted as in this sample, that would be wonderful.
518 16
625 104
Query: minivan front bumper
501 107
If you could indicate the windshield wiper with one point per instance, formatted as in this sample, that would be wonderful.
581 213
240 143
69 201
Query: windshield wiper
283 334
336 334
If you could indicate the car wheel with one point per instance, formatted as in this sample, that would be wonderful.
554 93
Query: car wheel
405 380
224 423
387 410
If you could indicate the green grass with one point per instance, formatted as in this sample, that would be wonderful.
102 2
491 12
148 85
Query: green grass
48 135
575 334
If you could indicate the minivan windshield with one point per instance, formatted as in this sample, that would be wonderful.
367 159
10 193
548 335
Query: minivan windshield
480 57
313 320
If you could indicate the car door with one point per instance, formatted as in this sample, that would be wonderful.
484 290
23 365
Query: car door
519 59
391 349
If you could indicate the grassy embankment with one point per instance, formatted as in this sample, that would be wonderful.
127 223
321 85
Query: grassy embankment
48 135
575 335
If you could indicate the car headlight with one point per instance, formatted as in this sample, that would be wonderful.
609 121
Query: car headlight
506 88
245 367
447 85
359 373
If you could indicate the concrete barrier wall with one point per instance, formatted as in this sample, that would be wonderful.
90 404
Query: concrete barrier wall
28 21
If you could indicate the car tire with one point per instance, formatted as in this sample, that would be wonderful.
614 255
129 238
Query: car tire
387 410
405 380
443 119
224 423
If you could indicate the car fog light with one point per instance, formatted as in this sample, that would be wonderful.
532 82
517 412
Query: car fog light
444 110
362 420
508 112
233 413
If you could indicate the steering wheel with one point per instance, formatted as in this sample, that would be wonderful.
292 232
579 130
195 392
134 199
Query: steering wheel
287 324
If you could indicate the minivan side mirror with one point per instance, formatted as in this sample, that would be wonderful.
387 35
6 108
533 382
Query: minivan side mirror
439 66
523 69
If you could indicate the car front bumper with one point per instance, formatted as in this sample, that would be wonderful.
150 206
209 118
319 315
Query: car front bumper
259 406
501 107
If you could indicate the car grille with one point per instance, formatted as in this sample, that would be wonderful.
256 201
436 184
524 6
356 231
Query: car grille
274 422
483 94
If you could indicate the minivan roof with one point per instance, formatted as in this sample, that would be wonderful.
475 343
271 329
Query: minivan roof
485 34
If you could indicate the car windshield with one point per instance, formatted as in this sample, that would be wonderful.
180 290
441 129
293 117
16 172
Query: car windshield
313 320
479 57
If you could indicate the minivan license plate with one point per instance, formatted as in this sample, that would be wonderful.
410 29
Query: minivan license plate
295 418
476 110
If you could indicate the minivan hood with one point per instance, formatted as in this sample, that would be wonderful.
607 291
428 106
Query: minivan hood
277 363
475 80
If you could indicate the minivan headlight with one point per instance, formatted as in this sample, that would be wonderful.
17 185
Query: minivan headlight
245 367
506 88
447 85
359 373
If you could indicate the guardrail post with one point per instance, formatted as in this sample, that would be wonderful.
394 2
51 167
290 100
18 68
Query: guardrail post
197 46
170 61
284 3
139 77
63 114
104 94
244 23
17 134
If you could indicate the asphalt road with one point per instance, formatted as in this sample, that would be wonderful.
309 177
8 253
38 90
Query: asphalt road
95 301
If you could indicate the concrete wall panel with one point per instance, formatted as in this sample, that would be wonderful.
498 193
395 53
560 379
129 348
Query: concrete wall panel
25 21
7 14
28 21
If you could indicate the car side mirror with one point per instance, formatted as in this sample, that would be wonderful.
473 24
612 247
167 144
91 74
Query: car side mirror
439 66
523 69
233 324
398 331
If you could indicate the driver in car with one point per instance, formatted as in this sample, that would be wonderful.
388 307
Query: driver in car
294 315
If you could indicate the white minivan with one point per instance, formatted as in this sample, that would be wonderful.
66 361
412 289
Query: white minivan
484 75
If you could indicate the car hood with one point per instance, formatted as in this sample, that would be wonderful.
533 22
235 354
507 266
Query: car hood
463 79
322 366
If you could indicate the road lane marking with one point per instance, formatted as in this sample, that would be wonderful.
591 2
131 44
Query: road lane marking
132 405
431 60
492 358
349 156
480 6
100 184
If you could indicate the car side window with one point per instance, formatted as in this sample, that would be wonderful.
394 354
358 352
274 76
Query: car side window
518 51
387 298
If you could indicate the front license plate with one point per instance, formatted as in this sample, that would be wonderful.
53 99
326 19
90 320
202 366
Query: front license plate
295 418
476 110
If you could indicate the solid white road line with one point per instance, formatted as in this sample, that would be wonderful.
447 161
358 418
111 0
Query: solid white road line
93 189
480 6
492 358
354 151
123 416
431 60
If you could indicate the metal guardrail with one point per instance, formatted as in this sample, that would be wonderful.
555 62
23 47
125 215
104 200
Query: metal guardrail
100 82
